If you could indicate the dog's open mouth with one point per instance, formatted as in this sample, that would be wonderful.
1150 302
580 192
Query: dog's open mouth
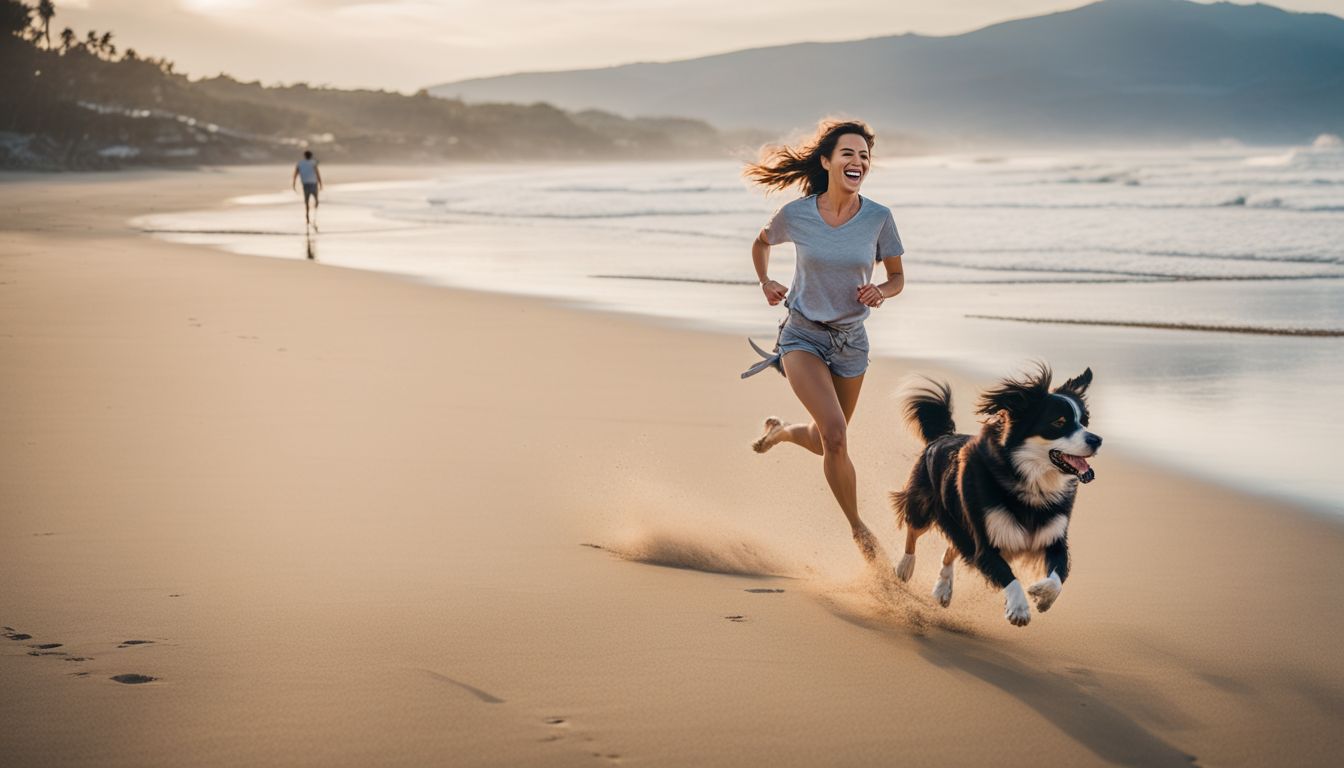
1073 465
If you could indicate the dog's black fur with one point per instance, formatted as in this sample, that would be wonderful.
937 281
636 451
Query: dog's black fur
1008 492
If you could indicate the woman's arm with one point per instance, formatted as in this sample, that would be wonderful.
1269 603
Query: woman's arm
873 295
760 258
895 282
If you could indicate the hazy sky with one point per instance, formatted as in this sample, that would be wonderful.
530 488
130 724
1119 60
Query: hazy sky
406 44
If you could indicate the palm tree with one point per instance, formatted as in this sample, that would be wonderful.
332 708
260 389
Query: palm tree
129 55
45 10
105 44
67 39
14 17
91 41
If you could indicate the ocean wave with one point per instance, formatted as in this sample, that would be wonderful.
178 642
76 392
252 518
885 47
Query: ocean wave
1202 255
1194 254
1011 276
1236 201
1237 180
1256 330
442 209
440 206
633 190
1128 178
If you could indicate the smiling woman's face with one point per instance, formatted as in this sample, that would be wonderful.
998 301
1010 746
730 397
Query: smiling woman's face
848 164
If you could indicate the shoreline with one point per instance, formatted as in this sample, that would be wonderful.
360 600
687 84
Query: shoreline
351 519
965 377
448 253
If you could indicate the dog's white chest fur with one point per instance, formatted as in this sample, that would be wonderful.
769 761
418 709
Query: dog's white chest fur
1009 536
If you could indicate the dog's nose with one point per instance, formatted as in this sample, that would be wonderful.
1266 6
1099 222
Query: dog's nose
1093 441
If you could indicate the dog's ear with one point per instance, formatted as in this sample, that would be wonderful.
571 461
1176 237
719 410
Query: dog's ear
1015 397
1008 397
1077 389
1077 385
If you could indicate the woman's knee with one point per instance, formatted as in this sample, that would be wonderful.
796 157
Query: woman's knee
833 438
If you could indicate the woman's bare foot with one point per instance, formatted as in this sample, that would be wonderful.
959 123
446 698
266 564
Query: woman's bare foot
767 440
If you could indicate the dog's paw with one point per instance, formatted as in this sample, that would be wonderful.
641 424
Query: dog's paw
1015 608
942 592
1045 592
906 568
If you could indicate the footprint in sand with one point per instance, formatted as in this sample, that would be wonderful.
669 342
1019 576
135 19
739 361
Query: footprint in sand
129 643
737 619
764 591
560 725
44 649
555 723
133 679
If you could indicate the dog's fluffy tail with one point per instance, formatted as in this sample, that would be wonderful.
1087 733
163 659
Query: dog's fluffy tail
928 410
900 504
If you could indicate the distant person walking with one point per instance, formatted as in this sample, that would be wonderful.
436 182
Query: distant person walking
306 171
822 348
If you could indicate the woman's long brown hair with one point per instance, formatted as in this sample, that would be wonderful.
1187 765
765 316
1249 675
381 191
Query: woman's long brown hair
782 166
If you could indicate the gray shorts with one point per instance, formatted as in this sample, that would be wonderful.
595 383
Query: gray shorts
309 190
842 347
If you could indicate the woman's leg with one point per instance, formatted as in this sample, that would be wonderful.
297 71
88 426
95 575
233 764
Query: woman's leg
816 389
807 435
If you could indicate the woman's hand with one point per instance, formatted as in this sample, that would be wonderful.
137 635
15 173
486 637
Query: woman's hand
870 296
774 292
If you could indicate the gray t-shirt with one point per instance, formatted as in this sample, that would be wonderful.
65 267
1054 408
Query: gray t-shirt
833 261
307 171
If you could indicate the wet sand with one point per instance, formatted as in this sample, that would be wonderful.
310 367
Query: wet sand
256 511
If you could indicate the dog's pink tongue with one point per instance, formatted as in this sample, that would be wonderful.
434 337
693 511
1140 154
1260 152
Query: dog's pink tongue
1077 462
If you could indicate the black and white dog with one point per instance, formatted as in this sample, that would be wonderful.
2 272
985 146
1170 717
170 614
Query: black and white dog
1005 494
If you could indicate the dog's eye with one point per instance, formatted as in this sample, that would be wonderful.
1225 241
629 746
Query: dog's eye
1060 422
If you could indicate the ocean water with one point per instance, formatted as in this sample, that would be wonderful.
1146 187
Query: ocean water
1204 287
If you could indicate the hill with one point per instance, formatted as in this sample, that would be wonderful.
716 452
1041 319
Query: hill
77 105
1147 71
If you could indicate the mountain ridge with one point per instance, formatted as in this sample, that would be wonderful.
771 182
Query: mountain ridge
1152 70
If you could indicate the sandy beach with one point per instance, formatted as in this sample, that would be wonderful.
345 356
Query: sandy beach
343 518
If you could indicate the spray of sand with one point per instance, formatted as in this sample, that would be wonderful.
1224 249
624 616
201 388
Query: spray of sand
701 549
872 596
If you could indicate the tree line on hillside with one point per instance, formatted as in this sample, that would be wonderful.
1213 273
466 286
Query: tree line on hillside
74 103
